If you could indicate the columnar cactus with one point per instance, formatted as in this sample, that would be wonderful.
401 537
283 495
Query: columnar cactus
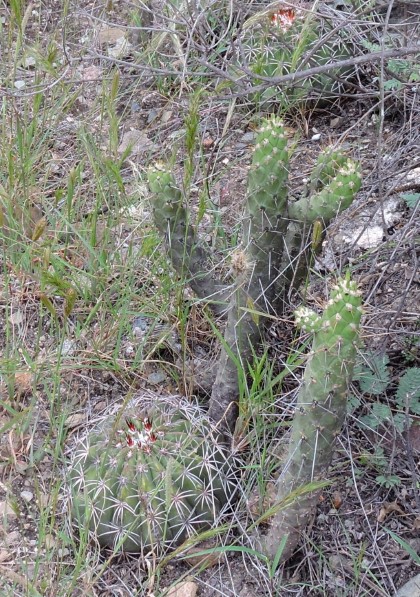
319 413
150 478
274 254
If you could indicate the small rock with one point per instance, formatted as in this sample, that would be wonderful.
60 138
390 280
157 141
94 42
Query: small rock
185 589
157 377
411 588
75 420
16 317
62 552
20 85
166 116
110 35
28 496
248 137
7 511
129 350
5 555
12 538
68 347
137 141
316 137
29 62
336 122
121 49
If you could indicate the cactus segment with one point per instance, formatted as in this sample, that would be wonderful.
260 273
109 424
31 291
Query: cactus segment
255 286
266 202
320 409
334 197
187 255
150 479
327 165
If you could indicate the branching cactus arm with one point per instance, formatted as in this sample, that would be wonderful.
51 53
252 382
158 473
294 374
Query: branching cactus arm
333 185
332 198
320 411
188 257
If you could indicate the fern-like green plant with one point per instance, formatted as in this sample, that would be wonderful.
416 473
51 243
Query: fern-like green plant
373 376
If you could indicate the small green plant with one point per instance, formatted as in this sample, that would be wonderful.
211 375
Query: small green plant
399 71
374 379
411 199
388 481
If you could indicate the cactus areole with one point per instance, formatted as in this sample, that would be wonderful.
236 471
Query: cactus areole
150 478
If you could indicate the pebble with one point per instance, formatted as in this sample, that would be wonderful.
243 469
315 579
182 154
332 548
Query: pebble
157 377
7 511
12 538
185 589
248 137
28 496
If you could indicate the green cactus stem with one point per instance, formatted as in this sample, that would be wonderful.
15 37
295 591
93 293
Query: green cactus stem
319 414
256 266
189 258
333 197
276 253
150 478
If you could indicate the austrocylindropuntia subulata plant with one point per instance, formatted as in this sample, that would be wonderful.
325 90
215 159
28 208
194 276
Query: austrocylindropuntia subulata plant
150 478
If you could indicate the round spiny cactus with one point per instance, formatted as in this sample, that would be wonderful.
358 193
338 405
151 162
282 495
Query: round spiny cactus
284 39
150 478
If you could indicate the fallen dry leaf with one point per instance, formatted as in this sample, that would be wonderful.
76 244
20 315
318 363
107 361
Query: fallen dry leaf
23 383
5 555
110 35
337 500
387 509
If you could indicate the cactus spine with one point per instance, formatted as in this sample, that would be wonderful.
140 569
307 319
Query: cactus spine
320 410
151 478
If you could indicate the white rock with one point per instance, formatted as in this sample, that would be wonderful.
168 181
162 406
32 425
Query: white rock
28 496
410 589
121 49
